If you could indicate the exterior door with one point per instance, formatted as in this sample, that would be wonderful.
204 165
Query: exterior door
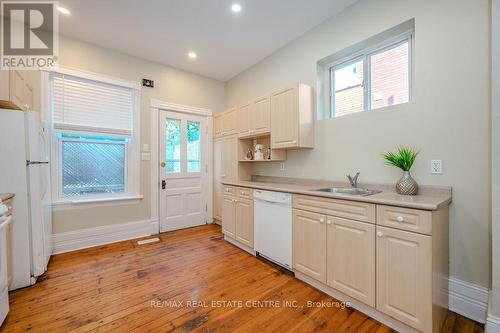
309 244
183 170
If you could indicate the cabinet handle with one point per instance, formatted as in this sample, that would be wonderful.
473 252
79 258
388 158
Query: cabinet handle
294 141
321 221
380 233
400 219
328 222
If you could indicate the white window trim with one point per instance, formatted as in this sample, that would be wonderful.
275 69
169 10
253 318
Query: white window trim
365 54
132 181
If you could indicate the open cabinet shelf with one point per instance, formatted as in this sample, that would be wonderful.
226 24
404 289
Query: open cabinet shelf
277 155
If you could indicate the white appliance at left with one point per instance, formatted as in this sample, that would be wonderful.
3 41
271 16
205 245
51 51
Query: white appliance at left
25 171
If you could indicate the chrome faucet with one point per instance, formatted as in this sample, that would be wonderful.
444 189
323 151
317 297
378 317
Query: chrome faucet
353 180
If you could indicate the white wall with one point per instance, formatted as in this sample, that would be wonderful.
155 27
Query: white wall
448 118
172 85
494 307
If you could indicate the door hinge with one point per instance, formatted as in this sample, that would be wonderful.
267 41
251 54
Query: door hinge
206 207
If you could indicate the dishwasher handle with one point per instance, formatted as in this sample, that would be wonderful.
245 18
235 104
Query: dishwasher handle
286 204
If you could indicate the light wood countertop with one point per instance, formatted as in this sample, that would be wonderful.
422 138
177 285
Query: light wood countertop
429 197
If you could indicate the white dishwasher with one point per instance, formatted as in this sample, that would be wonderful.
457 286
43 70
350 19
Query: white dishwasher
272 213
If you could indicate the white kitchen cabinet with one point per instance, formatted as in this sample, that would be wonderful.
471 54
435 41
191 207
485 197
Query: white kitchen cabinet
309 244
351 258
292 117
15 90
404 277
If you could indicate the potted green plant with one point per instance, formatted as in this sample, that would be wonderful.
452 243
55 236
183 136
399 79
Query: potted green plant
403 158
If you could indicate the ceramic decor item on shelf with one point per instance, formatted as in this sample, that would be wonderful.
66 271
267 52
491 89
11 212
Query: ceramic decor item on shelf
249 155
403 159
258 152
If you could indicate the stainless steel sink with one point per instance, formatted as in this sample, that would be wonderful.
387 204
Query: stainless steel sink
348 190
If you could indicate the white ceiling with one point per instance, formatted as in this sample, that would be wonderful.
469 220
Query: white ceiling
164 31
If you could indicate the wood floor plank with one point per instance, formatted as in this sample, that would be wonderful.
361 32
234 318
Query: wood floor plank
110 288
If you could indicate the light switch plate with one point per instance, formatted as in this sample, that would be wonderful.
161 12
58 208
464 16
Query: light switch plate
145 147
145 156
437 167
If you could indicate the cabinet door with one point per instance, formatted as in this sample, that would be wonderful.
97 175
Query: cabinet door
229 122
244 221
17 86
285 119
218 126
309 244
404 277
228 217
351 258
243 115
260 116
229 167
217 180
229 159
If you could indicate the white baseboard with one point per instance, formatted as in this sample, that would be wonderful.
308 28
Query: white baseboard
85 238
492 324
468 299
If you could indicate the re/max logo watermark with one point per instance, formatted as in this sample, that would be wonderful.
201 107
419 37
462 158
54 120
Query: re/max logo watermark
30 34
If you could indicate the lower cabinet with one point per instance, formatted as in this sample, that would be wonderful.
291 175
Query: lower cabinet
244 221
309 244
228 216
404 277
237 219
402 274
351 258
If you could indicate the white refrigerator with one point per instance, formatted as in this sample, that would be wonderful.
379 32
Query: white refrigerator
25 171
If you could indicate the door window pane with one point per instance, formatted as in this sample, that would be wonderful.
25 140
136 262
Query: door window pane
389 71
348 92
173 146
93 166
193 146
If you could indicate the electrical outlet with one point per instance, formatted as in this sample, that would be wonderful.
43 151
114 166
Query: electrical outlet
437 167
282 166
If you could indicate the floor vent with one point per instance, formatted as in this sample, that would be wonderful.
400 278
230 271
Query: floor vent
148 241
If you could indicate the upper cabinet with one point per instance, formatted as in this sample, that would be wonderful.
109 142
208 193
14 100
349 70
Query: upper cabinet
292 117
243 119
15 91
260 116
230 122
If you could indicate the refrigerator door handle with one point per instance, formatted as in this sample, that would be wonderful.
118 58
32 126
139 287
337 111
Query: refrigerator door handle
28 162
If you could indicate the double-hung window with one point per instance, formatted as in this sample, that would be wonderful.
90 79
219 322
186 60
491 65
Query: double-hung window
376 77
95 146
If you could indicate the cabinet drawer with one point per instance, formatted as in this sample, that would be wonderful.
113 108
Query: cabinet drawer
353 210
229 190
405 219
244 192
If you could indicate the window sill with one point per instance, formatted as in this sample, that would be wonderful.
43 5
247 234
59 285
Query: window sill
96 202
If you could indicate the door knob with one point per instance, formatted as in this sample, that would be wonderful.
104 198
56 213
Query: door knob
328 222
380 234
163 164
321 221
400 219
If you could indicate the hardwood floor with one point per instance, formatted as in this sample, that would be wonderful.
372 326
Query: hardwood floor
125 287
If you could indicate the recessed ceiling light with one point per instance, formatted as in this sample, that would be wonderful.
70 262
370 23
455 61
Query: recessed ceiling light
192 55
63 10
236 8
